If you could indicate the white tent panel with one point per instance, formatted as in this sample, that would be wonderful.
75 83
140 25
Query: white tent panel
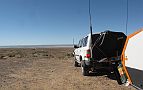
134 62
134 52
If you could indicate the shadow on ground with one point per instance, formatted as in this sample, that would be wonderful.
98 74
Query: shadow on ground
103 72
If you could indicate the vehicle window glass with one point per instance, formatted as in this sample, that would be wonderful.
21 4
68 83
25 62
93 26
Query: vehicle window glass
85 41
79 44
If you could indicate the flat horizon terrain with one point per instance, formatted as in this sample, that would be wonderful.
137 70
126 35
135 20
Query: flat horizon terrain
39 46
48 69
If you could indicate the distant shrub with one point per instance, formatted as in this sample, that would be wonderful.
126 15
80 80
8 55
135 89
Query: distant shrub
69 55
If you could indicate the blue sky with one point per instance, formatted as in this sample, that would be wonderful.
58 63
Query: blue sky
42 22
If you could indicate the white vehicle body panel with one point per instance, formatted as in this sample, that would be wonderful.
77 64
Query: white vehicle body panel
81 52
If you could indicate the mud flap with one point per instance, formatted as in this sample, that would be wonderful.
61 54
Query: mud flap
85 65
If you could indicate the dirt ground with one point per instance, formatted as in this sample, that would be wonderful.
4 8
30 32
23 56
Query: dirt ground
48 69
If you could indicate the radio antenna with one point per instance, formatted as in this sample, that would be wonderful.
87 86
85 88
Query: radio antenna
90 18
127 17
90 22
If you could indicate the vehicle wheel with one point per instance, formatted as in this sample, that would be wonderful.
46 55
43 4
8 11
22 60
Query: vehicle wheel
85 71
76 64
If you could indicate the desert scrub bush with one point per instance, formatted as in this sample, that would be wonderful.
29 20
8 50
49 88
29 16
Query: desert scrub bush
69 55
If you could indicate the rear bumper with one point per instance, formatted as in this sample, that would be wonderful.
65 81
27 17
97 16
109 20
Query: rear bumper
94 63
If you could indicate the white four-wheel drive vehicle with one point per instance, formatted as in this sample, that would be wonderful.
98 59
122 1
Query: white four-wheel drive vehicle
82 53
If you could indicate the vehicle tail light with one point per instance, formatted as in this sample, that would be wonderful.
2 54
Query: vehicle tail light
88 54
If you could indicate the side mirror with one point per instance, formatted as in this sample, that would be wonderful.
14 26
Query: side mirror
75 46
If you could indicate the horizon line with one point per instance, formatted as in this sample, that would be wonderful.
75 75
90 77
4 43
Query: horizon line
38 46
